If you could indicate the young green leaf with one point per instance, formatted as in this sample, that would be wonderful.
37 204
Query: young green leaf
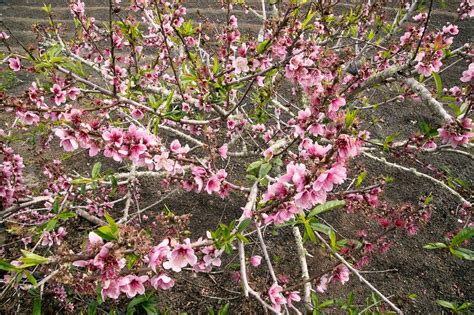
462 236
438 82
31 259
435 246
96 170
462 253
330 205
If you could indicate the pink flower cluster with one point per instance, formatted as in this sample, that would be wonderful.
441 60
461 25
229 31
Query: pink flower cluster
278 299
110 266
214 183
339 274
12 183
457 133
306 196
51 238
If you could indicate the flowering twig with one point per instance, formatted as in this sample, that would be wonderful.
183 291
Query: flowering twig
357 273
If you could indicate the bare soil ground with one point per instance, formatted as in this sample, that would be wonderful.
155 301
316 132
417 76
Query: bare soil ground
431 275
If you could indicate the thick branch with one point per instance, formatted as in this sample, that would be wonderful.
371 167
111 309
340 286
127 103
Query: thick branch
427 98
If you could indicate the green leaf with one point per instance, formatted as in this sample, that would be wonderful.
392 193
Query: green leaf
111 222
326 303
47 8
37 306
462 253
463 306
66 215
360 178
138 300
254 166
224 310
462 236
428 199
243 225
51 224
131 260
439 84
264 170
96 170
456 109
92 308
114 182
30 277
330 205
412 296
7 266
323 228
31 259
55 207
350 117
446 304
435 246
389 140
371 35
262 46
106 233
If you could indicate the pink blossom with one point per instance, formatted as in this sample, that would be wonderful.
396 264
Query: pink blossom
295 173
114 136
213 185
240 65
136 150
180 257
68 142
133 285
336 175
59 94
322 285
276 297
231 124
256 260
4 36
456 134
28 118
137 113
419 17
423 69
176 147
451 29
336 104
276 190
15 64
47 239
340 274
293 296
162 281
111 289
59 235
223 151
78 7
233 21
468 74
308 149
158 254
94 240
73 93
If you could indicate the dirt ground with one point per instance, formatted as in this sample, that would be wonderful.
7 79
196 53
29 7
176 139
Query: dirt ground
408 270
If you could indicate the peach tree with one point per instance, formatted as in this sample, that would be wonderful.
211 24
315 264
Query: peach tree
158 95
